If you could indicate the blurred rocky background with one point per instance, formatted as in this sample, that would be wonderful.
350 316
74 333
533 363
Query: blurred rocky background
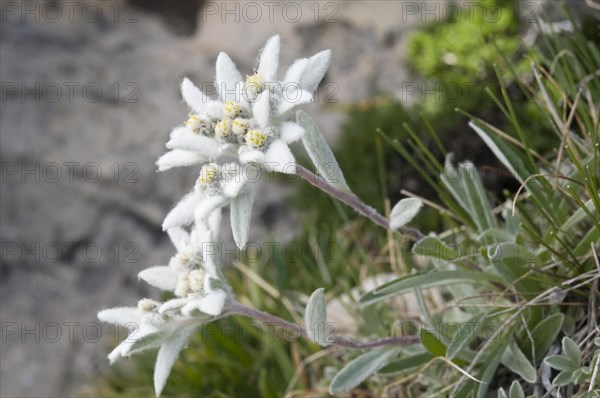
89 95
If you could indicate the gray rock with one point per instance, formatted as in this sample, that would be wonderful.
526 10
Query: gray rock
77 229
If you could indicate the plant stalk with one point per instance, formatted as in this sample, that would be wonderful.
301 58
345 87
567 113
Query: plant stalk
351 200
235 307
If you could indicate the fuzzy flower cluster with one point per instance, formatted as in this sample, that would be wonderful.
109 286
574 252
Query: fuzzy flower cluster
248 126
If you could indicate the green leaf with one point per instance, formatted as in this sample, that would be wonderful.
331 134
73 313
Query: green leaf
432 343
571 351
544 334
315 318
509 158
465 335
406 363
434 278
320 153
360 369
433 247
565 377
560 362
509 259
514 359
502 393
516 391
495 235
404 212
478 203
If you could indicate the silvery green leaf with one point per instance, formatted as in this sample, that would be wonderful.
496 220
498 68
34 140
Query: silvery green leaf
564 378
320 154
571 351
514 359
560 362
433 247
516 391
404 212
162 277
502 393
241 214
315 318
167 355
315 70
360 369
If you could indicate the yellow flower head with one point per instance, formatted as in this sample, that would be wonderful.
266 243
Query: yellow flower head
256 138
146 305
255 83
195 123
223 128
240 126
231 109
196 280
208 173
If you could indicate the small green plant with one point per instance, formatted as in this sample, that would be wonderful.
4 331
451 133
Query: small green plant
572 370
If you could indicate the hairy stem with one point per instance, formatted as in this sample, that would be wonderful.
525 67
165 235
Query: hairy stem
235 307
351 200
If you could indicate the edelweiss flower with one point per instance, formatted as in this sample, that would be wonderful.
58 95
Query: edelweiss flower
250 118
149 329
218 185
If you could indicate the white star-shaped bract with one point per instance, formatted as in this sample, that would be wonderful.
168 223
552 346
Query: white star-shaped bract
250 119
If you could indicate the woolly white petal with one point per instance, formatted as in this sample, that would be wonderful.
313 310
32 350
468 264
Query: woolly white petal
269 59
252 156
234 184
173 304
192 95
162 277
179 131
294 72
207 205
214 110
214 223
279 158
167 355
179 158
293 97
291 132
241 214
228 78
145 337
198 143
183 212
314 73
261 110
179 237
122 316
115 354
212 304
